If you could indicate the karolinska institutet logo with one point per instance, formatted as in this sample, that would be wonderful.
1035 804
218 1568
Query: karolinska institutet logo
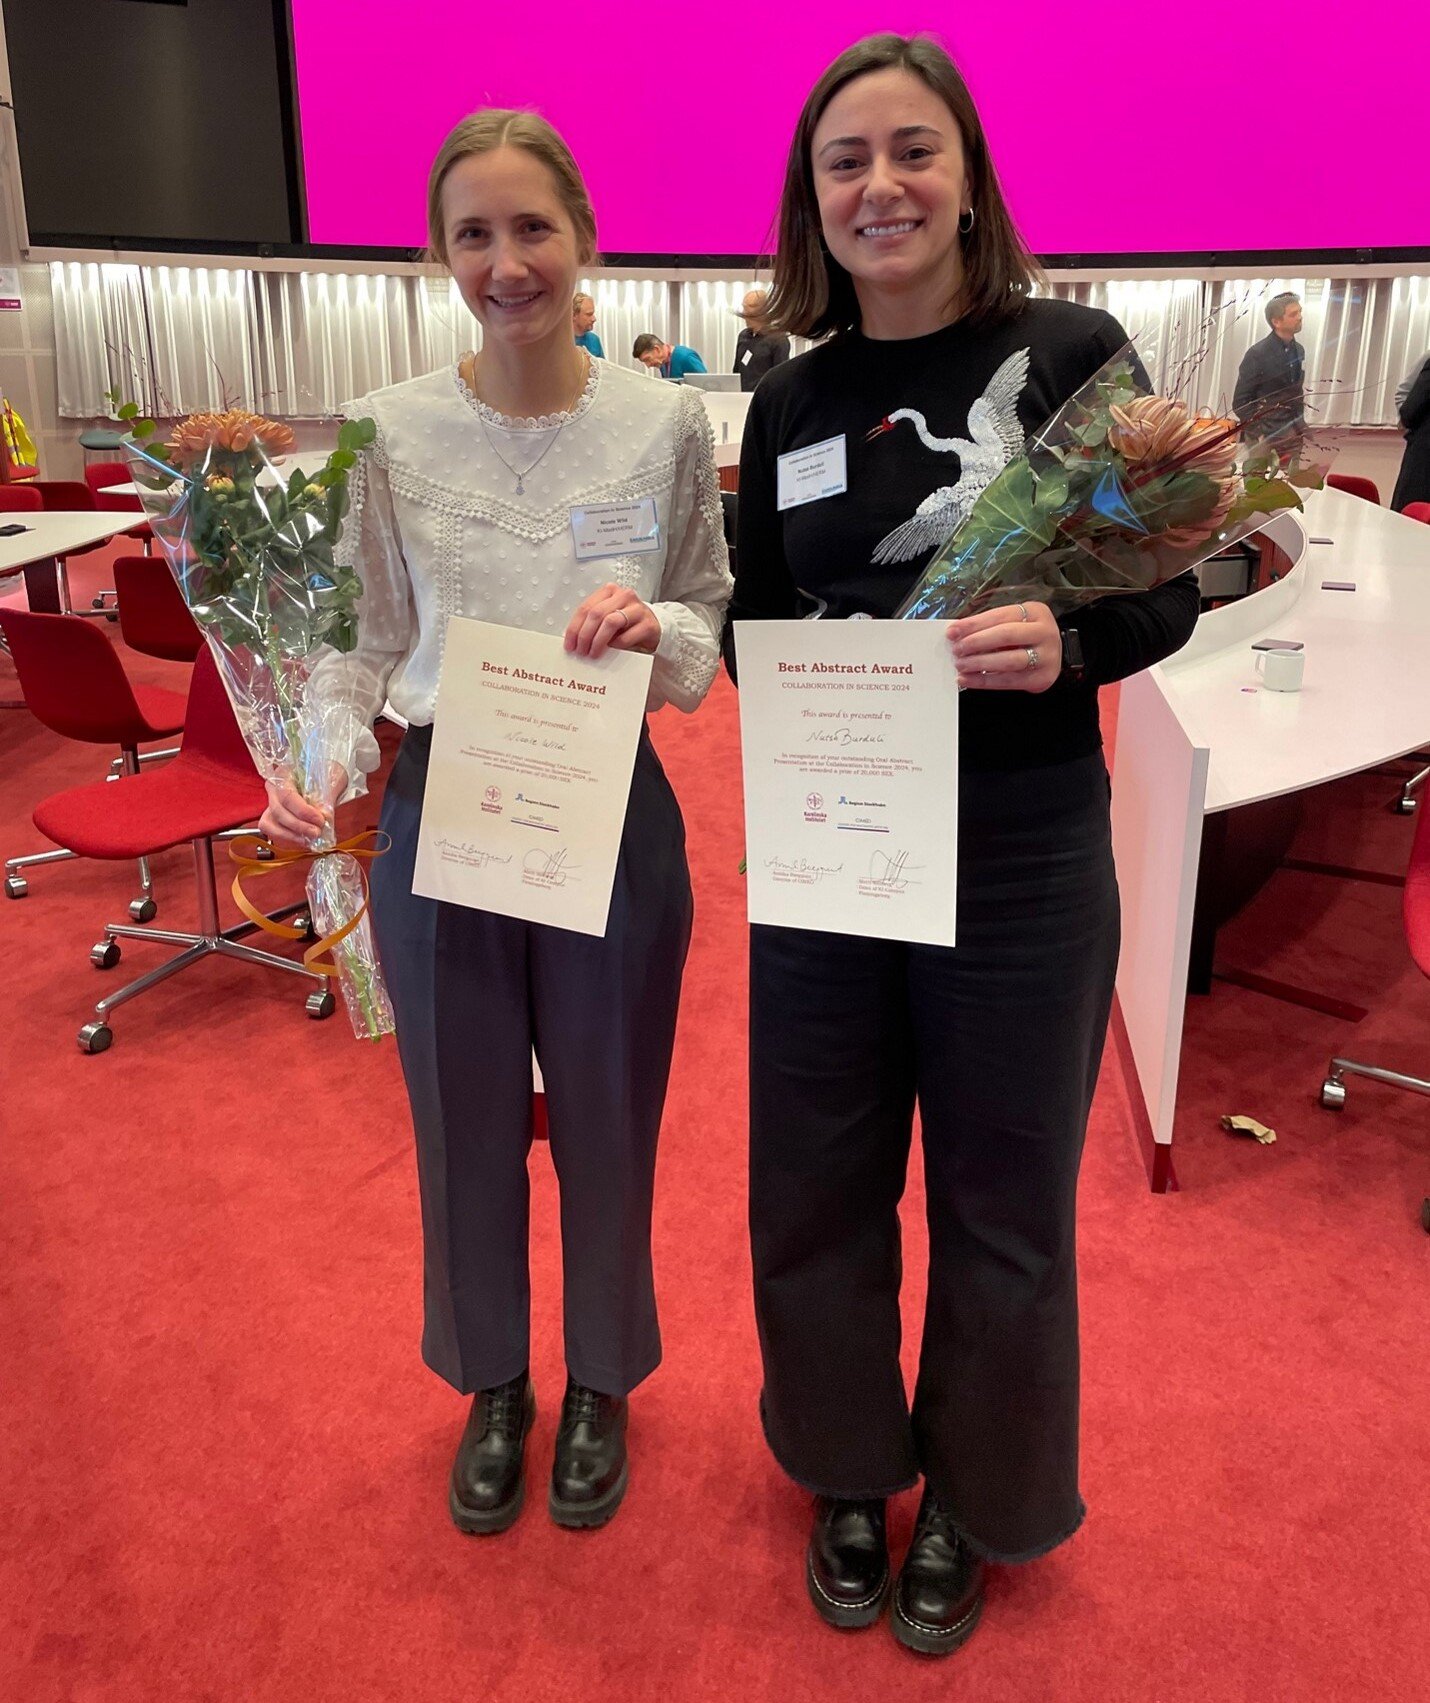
491 801
814 807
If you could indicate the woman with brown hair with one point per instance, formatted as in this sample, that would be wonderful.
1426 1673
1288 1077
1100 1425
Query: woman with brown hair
895 245
464 508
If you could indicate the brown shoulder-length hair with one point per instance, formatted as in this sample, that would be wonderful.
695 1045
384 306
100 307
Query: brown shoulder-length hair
812 294
497 127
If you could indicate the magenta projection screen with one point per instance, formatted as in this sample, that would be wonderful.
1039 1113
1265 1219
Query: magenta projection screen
1119 128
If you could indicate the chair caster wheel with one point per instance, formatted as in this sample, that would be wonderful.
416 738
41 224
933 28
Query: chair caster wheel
143 910
320 1004
1404 806
1333 1094
1425 1215
16 886
95 1038
304 925
98 602
263 852
105 955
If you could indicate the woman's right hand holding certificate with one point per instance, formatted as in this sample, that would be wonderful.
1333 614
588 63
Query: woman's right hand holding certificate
612 618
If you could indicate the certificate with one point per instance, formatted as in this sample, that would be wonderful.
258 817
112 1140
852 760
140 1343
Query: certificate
849 731
529 775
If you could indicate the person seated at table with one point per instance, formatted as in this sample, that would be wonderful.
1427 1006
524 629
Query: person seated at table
673 360
583 320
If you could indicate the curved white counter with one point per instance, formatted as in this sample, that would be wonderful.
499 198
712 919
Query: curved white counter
1198 734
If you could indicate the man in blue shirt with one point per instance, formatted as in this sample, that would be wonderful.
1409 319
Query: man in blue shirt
583 317
673 359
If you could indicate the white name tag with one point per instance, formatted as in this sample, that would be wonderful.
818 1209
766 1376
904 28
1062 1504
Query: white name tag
745 358
615 529
806 475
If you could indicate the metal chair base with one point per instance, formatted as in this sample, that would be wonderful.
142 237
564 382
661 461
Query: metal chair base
1333 1089
96 1035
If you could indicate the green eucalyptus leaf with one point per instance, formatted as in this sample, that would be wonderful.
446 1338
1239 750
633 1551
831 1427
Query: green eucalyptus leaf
128 411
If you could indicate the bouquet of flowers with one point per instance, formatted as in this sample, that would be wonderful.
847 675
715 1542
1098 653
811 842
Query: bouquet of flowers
255 556
1119 492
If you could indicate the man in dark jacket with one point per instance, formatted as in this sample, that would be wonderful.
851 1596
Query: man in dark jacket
1413 485
1270 396
757 351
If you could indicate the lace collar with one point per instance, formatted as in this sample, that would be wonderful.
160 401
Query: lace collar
542 422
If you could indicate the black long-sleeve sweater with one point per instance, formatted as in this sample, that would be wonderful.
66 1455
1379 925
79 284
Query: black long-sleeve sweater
827 548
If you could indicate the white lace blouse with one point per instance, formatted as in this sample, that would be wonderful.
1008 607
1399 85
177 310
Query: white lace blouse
438 528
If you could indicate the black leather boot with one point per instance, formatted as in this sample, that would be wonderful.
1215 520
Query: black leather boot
588 1476
848 1564
487 1487
939 1596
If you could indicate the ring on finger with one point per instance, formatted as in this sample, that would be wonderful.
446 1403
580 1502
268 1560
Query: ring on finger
1032 657
1023 614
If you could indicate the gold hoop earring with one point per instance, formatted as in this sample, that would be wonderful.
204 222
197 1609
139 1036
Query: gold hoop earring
963 229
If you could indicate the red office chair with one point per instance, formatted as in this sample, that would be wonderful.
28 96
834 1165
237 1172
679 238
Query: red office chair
17 499
1416 911
153 616
1417 511
210 788
1353 485
104 473
73 496
76 685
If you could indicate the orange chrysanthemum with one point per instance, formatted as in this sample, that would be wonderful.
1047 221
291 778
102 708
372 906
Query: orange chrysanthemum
235 429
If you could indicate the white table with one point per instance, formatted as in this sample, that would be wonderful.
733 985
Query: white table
1195 739
49 536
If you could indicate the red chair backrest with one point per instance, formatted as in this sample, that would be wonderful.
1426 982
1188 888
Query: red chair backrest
1354 486
72 679
65 495
210 727
102 473
19 498
152 613
1418 511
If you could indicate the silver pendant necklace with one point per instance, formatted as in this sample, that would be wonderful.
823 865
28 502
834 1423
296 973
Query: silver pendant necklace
520 474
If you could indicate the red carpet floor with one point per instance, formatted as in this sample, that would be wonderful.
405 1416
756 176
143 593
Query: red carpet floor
225 1465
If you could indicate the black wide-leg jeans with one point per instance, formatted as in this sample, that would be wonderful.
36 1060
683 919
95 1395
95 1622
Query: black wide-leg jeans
998 1039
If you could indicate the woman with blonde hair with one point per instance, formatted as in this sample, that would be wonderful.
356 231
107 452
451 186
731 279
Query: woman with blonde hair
463 507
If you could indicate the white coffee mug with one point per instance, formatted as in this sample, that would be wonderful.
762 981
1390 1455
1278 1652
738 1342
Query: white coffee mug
1281 670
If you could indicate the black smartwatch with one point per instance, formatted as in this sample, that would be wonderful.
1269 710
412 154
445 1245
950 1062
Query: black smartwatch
1074 668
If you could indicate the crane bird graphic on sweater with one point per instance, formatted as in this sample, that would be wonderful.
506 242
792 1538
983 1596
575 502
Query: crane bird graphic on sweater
995 437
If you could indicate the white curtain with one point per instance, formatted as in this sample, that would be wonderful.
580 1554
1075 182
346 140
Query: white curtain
299 344
101 337
1165 316
625 307
202 337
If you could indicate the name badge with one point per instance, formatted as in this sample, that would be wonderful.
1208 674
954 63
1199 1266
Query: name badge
745 358
615 529
807 475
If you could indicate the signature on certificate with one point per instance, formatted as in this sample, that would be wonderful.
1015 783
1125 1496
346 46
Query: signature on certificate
463 851
550 868
802 868
893 871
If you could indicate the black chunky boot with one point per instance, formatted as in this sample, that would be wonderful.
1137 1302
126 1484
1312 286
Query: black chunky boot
939 1596
487 1487
847 1569
589 1474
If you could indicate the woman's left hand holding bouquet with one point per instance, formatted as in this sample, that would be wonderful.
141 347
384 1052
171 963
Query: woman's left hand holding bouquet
1017 648
292 819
